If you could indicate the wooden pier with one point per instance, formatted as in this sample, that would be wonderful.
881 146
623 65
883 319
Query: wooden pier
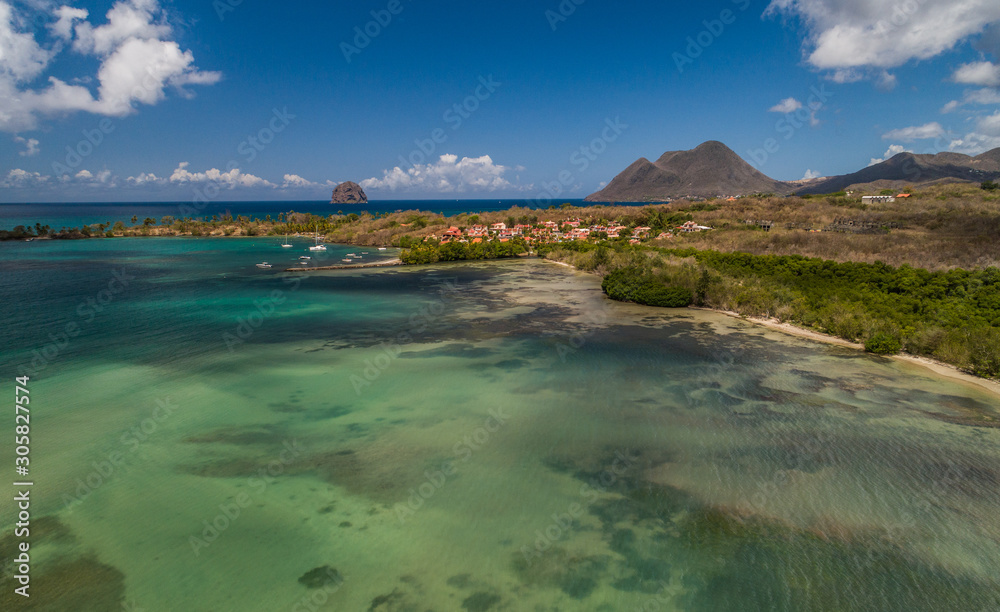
378 264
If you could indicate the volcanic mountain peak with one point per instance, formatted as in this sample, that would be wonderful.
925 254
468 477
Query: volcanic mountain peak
709 170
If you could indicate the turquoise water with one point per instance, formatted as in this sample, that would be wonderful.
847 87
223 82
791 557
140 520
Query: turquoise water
494 436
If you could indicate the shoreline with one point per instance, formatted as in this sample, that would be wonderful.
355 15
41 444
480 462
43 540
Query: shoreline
939 368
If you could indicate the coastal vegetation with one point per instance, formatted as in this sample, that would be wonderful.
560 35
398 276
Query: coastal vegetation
937 228
432 251
952 316
918 275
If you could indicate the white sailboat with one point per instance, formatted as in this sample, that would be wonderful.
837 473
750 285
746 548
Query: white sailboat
286 245
317 246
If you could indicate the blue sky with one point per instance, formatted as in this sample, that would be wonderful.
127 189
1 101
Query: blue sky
147 100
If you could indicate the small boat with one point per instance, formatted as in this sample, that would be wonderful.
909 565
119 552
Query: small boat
317 246
381 248
286 245
347 260
305 257
264 265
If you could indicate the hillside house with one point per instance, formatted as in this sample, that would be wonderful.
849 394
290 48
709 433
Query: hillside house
879 199
691 226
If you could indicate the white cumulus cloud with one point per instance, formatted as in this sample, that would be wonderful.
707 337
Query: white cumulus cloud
30 146
22 178
448 174
811 174
178 182
66 18
862 38
145 178
974 143
137 63
891 152
917 132
986 74
788 105
294 181
231 179
975 97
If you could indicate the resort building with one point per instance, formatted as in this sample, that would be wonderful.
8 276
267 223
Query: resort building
691 226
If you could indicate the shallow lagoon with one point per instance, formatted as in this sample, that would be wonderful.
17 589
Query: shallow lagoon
493 436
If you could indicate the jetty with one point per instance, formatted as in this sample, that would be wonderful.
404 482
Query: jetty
377 264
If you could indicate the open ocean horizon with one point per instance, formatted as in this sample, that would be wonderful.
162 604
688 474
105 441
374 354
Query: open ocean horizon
72 215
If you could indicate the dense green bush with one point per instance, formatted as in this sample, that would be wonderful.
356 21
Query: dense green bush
633 284
432 252
883 344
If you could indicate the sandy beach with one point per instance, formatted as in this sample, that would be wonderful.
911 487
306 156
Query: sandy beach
938 367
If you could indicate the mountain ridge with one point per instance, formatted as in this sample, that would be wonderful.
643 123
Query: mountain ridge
714 170
913 169
709 170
